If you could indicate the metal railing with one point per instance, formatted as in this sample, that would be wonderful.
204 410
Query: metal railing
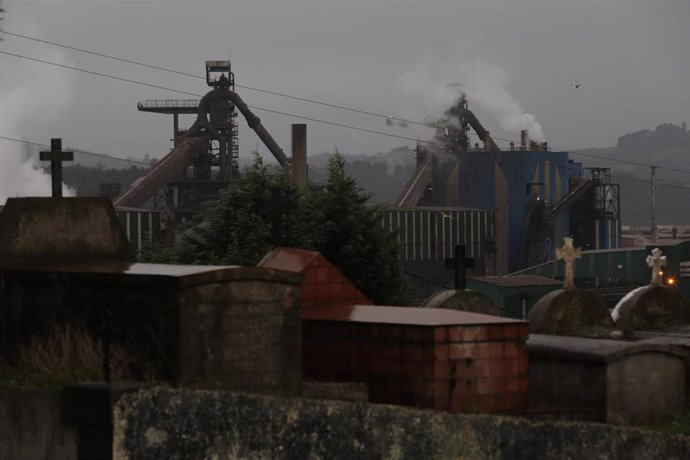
169 104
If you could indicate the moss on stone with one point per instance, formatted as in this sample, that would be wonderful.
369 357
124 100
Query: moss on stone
162 423
653 308
572 312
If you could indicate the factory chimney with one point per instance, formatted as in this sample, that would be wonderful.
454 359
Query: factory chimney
545 146
524 139
299 154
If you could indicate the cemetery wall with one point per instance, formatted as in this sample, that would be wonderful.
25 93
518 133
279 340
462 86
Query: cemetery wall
235 327
607 381
204 424
628 399
558 386
31 426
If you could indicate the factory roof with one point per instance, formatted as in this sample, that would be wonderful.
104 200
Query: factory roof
435 208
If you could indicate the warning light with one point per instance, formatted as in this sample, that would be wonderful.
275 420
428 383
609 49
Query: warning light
671 281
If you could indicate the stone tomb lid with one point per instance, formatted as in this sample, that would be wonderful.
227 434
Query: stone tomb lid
111 272
587 349
55 229
403 315
676 335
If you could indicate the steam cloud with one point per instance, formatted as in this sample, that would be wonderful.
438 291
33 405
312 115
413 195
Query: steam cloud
32 98
433 87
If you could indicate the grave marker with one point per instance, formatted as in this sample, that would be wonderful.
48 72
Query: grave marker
655 261
56 156
569 254
460 264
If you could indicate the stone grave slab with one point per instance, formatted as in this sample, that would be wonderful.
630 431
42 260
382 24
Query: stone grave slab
610 381
463 300
570 312
651 307
421 357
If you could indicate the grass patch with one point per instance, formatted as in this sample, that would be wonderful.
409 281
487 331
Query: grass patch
67 354
679 424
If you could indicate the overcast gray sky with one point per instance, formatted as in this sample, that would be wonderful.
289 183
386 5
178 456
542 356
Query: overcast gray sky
392 57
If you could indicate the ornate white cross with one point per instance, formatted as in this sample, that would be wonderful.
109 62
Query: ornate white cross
569 254
655 262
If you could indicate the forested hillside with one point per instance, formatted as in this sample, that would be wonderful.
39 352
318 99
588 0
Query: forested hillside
668 148
85 180
384 174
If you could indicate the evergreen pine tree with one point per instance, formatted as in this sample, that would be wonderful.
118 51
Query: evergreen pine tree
257 213
261 211
348 233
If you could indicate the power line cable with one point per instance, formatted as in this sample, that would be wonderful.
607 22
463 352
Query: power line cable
443 286
127 80
186 74
130 61
658 183
80 151
99 74
313 101
129 160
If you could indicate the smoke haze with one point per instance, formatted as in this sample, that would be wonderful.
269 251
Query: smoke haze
433 87
32 98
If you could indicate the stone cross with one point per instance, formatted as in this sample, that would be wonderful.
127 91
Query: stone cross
460 264
569 254
655 262
56 156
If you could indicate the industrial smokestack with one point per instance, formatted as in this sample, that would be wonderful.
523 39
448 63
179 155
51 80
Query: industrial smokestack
545 146
299 154
524 139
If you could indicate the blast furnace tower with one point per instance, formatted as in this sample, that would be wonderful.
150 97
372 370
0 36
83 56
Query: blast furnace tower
204 158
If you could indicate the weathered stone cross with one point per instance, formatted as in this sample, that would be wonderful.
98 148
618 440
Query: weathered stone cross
460 264
569 254
655 262
56 156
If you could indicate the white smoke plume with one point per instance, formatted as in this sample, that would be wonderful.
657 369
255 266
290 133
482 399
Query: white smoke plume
33 97
434 86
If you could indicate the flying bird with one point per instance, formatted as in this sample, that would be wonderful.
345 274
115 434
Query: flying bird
576 85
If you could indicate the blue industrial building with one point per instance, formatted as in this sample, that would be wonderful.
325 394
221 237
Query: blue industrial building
537 196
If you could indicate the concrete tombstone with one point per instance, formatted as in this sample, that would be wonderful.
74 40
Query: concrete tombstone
463 300
65 230
568 254
572 312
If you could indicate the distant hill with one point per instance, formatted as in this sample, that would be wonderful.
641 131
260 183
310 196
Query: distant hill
86 179
668 148
384 174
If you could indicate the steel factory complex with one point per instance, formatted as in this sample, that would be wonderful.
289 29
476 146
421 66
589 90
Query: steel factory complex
509 208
